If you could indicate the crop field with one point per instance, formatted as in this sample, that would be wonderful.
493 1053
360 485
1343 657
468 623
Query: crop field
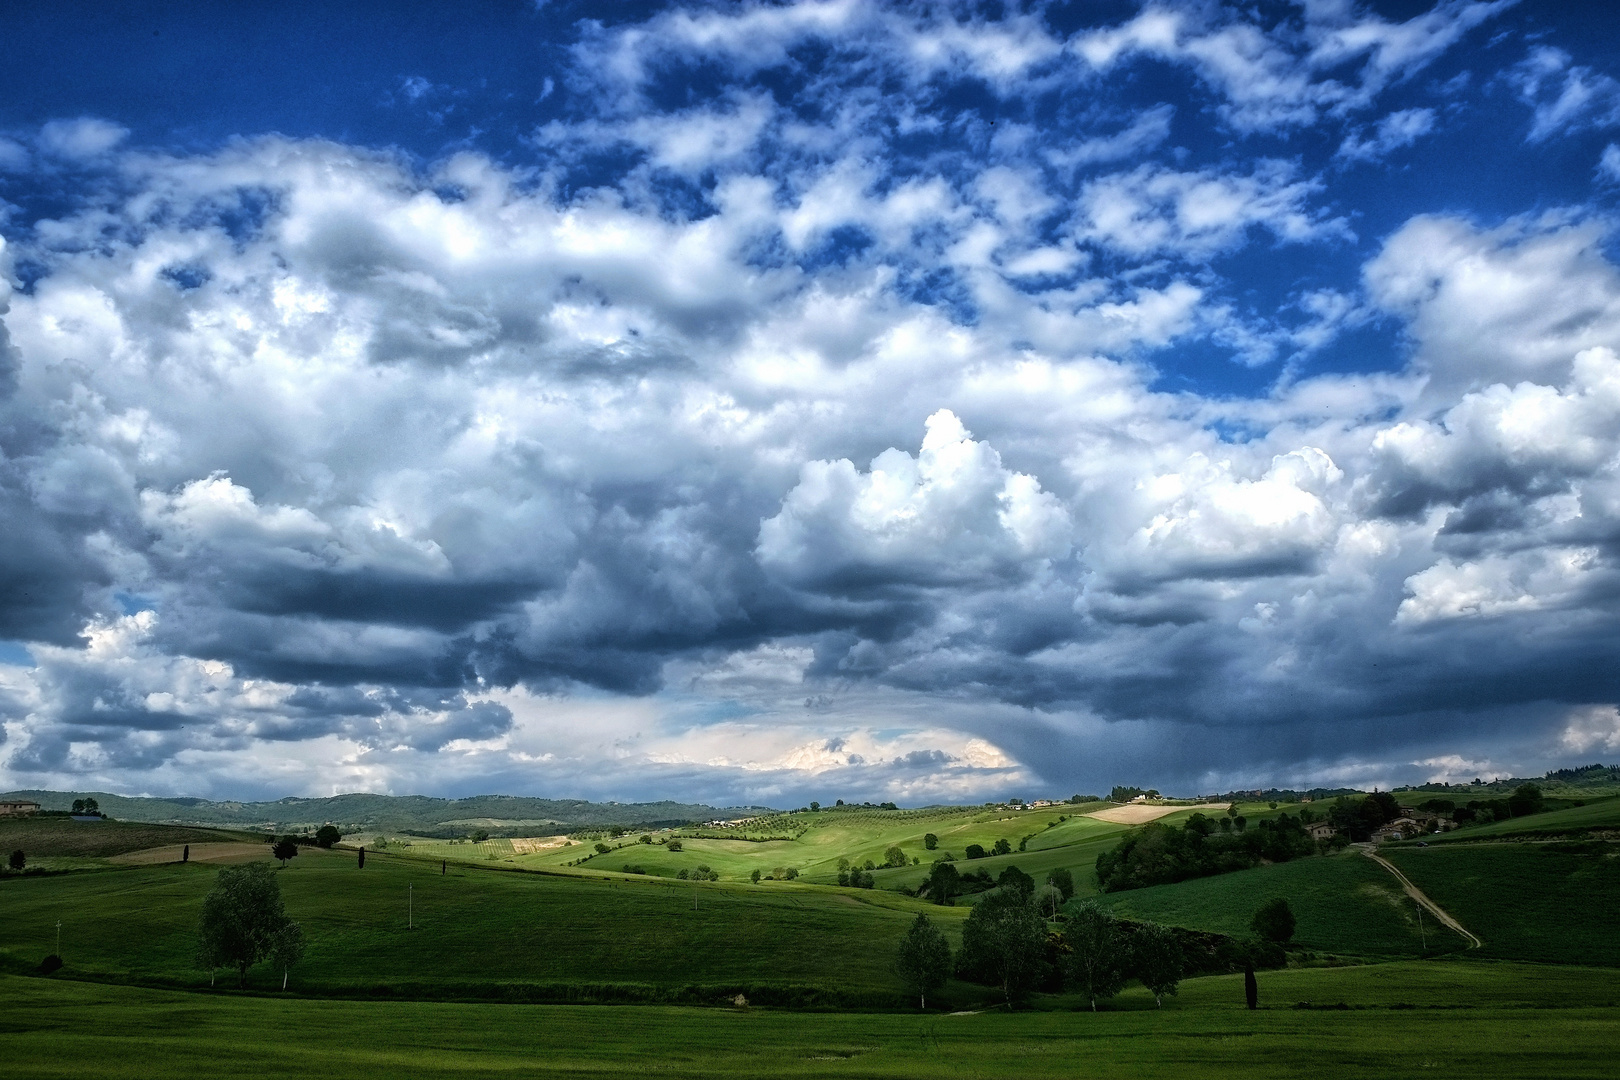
1497 1020
1343 903
1551 902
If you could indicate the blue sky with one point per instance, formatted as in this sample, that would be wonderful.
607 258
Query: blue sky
759 402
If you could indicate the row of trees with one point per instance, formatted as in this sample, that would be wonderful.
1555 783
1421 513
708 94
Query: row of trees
1158 854
1007 942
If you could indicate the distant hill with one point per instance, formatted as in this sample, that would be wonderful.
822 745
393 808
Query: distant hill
500 815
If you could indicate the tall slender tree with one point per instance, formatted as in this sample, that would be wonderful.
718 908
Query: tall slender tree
924 960
1097 951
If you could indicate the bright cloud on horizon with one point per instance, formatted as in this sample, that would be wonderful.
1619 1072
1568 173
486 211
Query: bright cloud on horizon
827 399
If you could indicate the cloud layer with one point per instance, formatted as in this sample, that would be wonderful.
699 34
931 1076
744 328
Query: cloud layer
810 431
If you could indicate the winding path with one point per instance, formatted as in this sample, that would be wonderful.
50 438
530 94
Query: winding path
1417 894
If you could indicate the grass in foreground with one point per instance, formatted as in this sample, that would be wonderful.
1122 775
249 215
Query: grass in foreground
1513 1021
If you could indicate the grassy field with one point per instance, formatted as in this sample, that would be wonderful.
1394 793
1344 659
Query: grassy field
1597 814
477 926
1400 1019
1343 903
51 837
1549 902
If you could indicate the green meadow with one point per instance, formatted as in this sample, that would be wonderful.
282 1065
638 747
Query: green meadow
1451 1019
1598 814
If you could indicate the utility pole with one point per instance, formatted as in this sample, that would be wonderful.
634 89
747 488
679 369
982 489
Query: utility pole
410 910
58 939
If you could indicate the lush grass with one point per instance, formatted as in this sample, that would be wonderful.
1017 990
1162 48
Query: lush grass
81 1031
1599 814
39 837
1343 903
1552 902
477 926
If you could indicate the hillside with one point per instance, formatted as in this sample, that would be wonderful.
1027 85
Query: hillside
506 815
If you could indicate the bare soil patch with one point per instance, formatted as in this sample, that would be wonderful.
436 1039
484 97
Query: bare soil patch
1140 814
534 845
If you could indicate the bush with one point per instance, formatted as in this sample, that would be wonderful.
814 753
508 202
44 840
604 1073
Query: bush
975 851
930 841
49 964
18 860
601 848
893 856
1002 847
1274 922
673 845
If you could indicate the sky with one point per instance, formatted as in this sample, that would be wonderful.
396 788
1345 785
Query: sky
760 402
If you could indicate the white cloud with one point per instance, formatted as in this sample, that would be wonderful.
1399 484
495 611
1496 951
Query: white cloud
1397 130
1199 214
80 139
1591 729
1566 97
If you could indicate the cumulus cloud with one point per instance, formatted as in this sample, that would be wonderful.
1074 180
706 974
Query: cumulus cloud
778 436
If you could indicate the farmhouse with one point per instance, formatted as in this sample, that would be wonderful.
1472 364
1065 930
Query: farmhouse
18 808
1320 831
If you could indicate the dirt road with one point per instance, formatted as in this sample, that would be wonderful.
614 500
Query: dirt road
1417 894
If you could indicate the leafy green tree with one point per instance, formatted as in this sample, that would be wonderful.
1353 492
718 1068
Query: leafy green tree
893 856
1002 847
327 835
1048 898
1097 951
1526 799
943 882
286 949
1015 879
1158 960
975 851
18 860
286 848
1063 880
924 960
241 916
814 806
1004 943
754 877
930 841
601 848
1274 921
673 845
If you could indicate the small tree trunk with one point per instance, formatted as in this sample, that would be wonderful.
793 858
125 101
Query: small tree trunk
284 974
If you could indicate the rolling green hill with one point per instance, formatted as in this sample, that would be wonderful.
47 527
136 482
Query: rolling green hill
1599 814
54 837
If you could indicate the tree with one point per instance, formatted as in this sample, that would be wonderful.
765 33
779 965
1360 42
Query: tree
286 848
601 848
1002 847
1274 921
78 806
893 856
362 863
1097 952
1015 879
1251 989
326 836
975 851
287 948
673 845
942 883
185 854
754 877
1526 799
1004 943
18 860
1062 880
814 806
924 961
241 917
1158 960
930 841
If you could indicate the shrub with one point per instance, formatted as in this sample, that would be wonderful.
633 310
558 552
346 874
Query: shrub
1002 847
673 845
975 851
930 841
49 964
18 860
601 848
754 877
645 839
684 874
1274 922
893 856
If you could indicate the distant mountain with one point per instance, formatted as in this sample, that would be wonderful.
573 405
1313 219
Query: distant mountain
499 815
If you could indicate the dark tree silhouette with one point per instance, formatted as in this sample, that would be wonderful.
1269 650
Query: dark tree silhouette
1274 921
1004 943
327 835
285 849
18 860
943 883
1251 989
362 863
